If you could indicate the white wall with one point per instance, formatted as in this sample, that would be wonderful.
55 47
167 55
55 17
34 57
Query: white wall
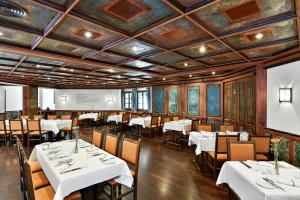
2 100
87 99
284 116
46 98
14 98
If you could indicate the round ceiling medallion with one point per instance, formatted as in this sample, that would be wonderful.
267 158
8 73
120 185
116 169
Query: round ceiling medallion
11 10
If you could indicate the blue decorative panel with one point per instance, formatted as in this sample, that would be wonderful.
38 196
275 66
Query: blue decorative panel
173 101
213 105
158 100
193 101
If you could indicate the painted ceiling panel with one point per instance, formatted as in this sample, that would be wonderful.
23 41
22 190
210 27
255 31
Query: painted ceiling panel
228 15
189 3
222 59
37 17
126 15
16 37
166 58
138 64
108 57
175 34
278 31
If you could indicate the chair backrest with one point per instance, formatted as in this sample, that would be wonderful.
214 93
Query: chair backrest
144 114
112 144
66 117
203 120
195 124
33 125
24 117
228 128
16 125
165 119
28 180
154 120
37 117
131 152
205 127
175 118
97 138
52 117
221 142
2 126
262 143
125 117
75 122
134 115
241 151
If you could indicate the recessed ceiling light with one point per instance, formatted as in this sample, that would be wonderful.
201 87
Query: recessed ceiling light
22 75
88 34
118 76
185 64
213 73
134 48
72 70
202 49
190 75
63 69
164 78
38 66
259 36
86 76
48 78
1 34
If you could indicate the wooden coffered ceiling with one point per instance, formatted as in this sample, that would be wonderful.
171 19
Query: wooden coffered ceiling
120 43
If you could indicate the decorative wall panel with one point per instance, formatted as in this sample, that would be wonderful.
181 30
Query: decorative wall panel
158 94
173 101
193 101
213 100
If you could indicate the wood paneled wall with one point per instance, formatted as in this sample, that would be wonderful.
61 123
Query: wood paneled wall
30 101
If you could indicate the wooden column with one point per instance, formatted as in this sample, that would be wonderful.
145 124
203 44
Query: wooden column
30 101
261 99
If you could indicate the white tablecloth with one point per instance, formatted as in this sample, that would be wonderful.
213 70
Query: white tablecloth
114 118
49 125
243 181
205 141
143 121
93 116
92 170
181 125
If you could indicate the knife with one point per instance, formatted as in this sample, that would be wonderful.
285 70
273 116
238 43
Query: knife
57 157
272 183
70 170
248 166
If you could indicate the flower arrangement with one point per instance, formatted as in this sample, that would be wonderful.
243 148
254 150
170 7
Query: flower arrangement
76 133
279 148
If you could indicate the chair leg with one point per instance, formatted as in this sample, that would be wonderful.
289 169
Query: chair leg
135 189
113 192
119 190
27 140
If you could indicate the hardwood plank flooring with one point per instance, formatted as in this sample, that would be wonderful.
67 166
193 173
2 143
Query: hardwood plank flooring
165 172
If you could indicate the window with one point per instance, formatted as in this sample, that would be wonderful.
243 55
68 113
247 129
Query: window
142 100
127 100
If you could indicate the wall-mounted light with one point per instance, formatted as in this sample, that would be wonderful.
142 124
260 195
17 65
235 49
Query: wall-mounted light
63 99
285 95
110 99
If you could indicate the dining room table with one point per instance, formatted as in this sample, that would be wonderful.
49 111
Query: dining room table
48 125
91 116
177 130
115 118
258 180
69 171
140 123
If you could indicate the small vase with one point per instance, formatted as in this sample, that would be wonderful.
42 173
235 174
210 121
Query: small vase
276 164
76 146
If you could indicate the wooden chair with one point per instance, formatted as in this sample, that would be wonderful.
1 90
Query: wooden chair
195 125
228 128
175 118
69 130
220 154
130 154
144 114
24 117
134 115
241 151
66 117
42 193
3 132
51 117
34 131
37 117
125 121
262 146
16 128
153 125
205 127
165 119
112 144
97 139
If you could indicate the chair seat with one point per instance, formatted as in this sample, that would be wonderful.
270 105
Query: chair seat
152 126
260 156
66 129
38 132
2 132
35 166
46 193
220 156
18 132
39 179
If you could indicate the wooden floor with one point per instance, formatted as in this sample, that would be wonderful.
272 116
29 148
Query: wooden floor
165 172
